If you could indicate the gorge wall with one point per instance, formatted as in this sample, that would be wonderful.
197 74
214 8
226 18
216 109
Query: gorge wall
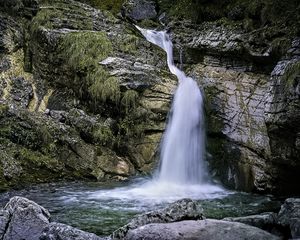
84 96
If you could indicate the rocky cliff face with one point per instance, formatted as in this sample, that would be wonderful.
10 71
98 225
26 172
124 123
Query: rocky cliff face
245 57
83 95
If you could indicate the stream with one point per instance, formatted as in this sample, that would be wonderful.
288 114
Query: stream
101 208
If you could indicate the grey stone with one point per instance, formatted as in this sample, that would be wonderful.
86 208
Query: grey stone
140 9
21 91
27 219
59 231
266 221
184 209
4 220
202 229
263 220
289 216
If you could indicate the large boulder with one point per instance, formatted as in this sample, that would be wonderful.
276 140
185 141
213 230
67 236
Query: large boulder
289 216
59 231
4 220
139 9
266 221
184 209
203 229
22 219
27 219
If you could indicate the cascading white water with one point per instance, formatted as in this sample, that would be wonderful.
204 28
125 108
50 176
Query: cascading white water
182 173
183 148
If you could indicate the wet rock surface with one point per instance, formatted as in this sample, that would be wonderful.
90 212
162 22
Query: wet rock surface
178 211
140 9
289 216
203 229
26 219
57 231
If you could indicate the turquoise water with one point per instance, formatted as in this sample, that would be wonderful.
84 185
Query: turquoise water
103 207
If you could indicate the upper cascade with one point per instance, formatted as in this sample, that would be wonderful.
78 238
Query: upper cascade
183 145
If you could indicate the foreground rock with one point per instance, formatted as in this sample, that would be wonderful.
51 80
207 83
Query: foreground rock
266 221
289 216
23 220
203 229
184 209
58 231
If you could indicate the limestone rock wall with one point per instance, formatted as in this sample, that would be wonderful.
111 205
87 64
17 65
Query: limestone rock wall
82 95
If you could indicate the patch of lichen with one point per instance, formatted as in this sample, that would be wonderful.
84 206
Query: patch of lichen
114 6
16 70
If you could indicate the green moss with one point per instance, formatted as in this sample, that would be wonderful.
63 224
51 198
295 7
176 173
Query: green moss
131 128
56 14
103 135
83 51
103 89
194 10
148 23
44 18
113 6
129 100
36 159
128 43
3 109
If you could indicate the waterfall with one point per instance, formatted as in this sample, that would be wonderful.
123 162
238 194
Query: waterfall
182 170
183 145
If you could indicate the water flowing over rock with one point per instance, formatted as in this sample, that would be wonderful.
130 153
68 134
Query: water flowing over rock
183 148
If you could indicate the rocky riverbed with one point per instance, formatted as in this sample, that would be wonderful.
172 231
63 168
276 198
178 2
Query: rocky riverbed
22 219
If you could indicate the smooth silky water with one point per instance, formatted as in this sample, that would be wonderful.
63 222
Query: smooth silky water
102 208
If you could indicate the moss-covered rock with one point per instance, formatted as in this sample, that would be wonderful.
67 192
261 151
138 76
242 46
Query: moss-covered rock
72 116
